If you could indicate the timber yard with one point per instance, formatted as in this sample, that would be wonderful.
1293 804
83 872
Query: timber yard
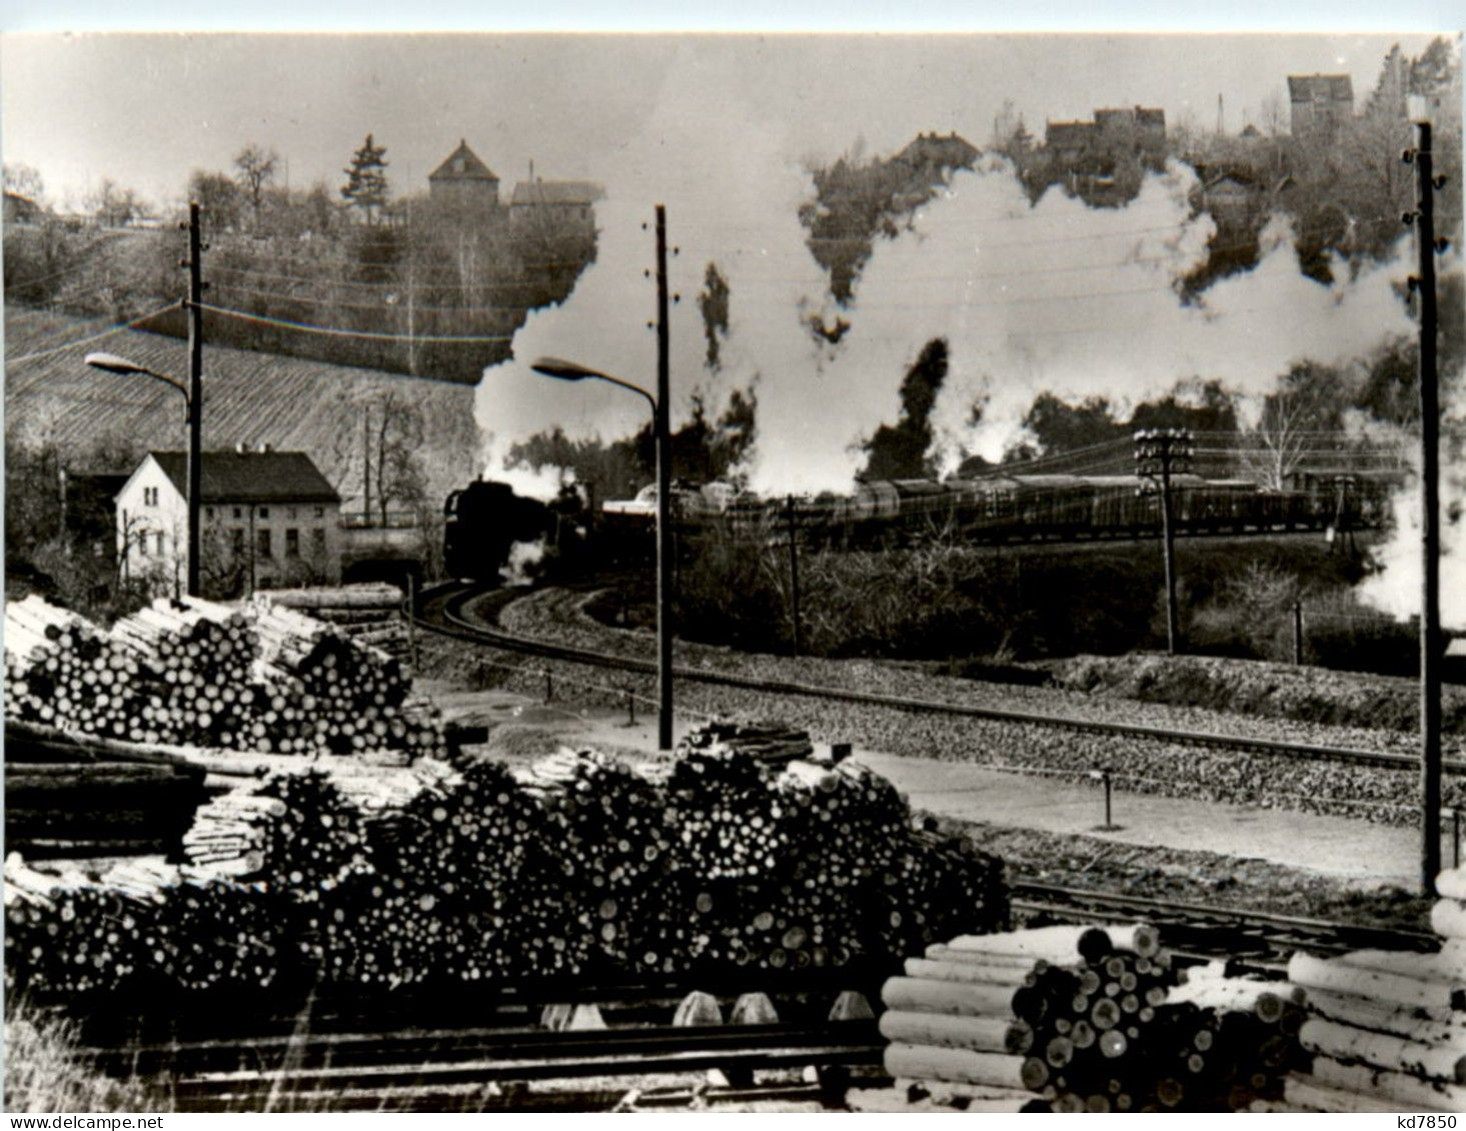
990 640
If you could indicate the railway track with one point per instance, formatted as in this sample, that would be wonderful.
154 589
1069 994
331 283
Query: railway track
442 610
1201 931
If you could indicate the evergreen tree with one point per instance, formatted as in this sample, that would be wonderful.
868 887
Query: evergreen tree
366 180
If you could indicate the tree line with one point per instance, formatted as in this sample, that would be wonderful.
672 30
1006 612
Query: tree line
356 276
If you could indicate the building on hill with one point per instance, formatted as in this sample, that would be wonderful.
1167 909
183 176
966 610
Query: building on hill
930 153
464 188
1103 160
267 519
1069 142
1320 104
563 208
21 209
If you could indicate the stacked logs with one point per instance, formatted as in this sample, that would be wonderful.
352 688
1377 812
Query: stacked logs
764 741
1226 1043
136 922
369 614
193 667
1387 1029
1088 1019
1056 1011
190 672
442 875
61 671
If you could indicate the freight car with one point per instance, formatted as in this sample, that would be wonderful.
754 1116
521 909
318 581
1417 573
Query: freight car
486 519
1026 508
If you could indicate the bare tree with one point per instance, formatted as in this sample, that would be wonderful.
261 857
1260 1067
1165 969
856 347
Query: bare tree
115 206
255 170
24 180
1306 405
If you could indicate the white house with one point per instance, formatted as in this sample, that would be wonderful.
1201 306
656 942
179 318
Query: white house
267 519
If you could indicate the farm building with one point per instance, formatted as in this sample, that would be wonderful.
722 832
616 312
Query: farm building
269 518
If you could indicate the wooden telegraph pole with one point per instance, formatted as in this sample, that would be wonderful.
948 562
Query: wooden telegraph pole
663 430
195 265
1430 610
1160 453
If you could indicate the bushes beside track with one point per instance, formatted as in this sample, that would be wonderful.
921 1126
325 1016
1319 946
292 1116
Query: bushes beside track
945 600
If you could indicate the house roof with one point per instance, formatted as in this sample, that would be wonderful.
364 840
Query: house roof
463 164
1069 133
1335 88
252 477
952 151
556 192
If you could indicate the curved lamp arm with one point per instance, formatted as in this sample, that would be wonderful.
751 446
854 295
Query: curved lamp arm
111 363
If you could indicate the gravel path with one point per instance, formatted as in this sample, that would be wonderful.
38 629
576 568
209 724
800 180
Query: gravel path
1138 765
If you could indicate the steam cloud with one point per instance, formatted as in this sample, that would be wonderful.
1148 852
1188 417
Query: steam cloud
1058 297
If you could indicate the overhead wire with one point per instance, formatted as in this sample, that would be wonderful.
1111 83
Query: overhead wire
131 324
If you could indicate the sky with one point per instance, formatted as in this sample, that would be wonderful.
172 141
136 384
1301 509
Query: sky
145 110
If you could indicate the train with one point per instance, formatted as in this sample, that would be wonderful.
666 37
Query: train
485 519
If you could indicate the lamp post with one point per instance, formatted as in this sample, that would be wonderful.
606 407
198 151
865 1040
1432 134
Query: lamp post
193 397
570 371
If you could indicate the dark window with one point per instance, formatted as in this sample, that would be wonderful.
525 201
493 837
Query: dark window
238 512
320 512
292 543
262 543
236 541
150 496
208 512
142 543
318 540
264 512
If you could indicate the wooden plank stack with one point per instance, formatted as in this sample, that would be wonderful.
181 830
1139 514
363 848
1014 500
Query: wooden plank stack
1387 1029
190 672
444 876
71 809
766 741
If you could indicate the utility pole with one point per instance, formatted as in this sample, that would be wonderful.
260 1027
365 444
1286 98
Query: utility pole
1430 610
195 265
793 571
664 495
1159 453
366 467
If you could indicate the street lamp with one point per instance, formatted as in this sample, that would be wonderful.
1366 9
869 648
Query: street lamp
193 397
570 371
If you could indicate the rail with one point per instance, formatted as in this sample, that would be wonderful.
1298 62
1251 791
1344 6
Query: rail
447 602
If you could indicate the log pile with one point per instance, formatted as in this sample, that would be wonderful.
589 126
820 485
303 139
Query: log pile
1387 1029
370 614
1226 1043
447 875
1074 1019
62 671
80 933
193 673
774 743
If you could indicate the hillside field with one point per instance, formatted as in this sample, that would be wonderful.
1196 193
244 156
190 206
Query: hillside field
250 398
